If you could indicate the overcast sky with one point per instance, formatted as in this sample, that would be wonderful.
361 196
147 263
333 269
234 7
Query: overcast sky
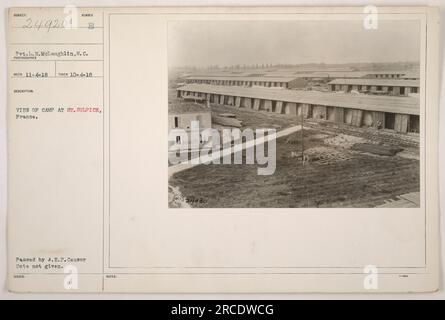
203 43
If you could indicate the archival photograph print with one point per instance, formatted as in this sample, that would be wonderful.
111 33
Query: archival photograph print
294 114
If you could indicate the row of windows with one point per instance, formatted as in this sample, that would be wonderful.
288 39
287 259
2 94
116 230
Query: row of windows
380 88
388 75
262 83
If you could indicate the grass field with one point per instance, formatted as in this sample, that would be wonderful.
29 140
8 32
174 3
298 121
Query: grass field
333 176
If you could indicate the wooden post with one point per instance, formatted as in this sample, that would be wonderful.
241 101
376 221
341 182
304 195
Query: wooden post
339 115
401 122
291 108
306 110
407 91
357 117
279 107
247 103
256 104
238 102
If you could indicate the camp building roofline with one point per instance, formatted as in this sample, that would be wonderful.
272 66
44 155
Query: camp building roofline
394 104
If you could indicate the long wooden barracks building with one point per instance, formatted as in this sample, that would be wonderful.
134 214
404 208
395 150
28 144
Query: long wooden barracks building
382 86
248 81
400 113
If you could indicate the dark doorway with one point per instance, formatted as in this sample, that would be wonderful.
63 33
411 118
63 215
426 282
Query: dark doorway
330 113
402 90
389 120
274 106
414 124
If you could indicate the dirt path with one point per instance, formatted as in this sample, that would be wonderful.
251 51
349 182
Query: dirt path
249 144
407 200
